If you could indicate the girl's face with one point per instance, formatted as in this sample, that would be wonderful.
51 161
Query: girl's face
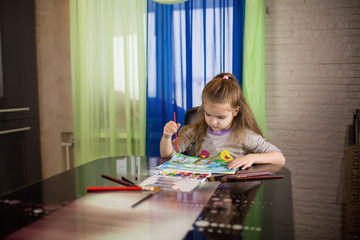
219 116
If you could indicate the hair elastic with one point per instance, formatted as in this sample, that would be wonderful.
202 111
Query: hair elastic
225 77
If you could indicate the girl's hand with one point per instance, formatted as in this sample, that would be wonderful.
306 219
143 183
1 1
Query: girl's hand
244 162
170 128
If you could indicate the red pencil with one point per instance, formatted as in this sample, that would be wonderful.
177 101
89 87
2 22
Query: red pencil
177 150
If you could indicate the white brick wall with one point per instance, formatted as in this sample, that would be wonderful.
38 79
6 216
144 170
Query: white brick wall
312 90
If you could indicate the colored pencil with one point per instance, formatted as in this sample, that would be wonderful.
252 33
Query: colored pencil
250 174
122 188
147 197
177 150
125 183
126 180
265 177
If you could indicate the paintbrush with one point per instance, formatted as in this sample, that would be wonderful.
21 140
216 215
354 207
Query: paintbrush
122 188
145 198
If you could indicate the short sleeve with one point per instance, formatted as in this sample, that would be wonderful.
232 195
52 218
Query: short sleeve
255 143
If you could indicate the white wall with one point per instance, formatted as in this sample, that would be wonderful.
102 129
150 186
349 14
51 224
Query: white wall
313 88
54 81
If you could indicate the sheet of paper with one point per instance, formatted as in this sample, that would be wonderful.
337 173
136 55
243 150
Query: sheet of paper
171 183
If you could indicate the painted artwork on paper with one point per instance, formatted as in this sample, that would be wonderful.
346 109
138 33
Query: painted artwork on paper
181 162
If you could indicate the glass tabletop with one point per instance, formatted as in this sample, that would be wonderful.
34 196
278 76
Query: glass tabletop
60 207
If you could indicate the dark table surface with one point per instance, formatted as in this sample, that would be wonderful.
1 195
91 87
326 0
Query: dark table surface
60 208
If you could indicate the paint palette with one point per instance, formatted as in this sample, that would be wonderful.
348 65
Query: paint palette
182 174
175 180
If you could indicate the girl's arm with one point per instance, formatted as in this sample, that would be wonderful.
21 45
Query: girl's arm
257 158
166 147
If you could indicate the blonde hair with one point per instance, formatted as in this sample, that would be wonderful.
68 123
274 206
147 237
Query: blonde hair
224 88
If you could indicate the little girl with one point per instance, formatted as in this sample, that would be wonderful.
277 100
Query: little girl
226 129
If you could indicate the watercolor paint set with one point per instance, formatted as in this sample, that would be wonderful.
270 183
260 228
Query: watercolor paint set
184 174
172 180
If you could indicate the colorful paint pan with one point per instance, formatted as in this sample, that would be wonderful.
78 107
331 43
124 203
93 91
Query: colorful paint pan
190 175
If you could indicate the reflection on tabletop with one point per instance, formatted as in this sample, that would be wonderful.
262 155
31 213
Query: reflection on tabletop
60 207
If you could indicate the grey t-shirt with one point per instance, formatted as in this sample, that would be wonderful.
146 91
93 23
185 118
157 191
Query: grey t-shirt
221 145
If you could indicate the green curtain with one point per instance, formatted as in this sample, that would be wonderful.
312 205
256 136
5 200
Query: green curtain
254 89
254 60
108 65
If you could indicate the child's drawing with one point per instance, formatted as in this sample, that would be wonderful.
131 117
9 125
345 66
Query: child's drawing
181 162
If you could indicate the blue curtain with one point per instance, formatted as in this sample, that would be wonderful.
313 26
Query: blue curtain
188 44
